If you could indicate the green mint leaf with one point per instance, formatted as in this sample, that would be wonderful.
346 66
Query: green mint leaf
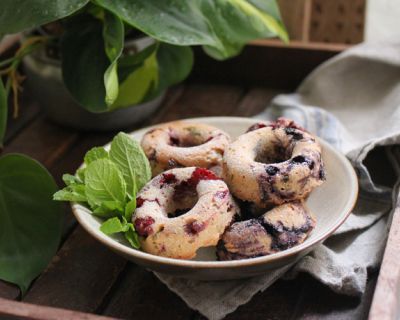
132 236
68 194
104 182
109 209
69 179
127 154
80 173
114 225
129 209
94 154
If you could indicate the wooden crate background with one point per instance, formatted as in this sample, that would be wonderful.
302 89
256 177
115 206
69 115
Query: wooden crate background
324 21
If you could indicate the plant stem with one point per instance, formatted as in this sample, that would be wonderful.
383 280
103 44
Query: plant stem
6 62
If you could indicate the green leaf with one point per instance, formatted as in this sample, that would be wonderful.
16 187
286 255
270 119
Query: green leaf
130 208
109 209
113 225
127 154
132 236
30 222
222 26
104 182
69 179
95 154
113 34
19 15
84 62
3 113
139 83
80 173
127 64
174 65
74 193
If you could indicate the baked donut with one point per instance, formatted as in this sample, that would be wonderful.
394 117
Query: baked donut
184 144
181 210
274 164
281 228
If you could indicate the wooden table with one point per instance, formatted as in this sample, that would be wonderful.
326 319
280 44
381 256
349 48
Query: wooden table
85 276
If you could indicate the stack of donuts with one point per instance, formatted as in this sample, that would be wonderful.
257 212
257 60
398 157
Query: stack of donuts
246 197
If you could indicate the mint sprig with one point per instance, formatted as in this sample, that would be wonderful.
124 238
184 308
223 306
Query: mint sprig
108 185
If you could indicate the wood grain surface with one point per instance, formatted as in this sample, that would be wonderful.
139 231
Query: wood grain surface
386 302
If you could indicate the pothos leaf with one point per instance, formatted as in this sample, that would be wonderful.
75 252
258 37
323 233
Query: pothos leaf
84 62
222 26
139 83
30 222
19 15
113 34
174 65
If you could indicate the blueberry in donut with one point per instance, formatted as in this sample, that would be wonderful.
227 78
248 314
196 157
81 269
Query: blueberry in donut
274 164
278 229
184 144
182 210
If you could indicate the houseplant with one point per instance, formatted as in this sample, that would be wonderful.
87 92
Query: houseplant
88 37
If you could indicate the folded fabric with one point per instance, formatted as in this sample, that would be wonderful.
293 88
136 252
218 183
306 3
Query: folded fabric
353 102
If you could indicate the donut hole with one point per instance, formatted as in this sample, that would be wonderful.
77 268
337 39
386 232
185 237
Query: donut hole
183 200
189 137
272 154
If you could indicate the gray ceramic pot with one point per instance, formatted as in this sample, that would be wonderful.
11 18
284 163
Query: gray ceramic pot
44 82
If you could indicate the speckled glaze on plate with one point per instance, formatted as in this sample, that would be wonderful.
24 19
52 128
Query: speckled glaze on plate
331 204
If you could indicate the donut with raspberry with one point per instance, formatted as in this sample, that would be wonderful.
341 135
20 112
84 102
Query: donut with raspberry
182 210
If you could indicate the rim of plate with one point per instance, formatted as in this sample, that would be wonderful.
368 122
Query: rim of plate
119 247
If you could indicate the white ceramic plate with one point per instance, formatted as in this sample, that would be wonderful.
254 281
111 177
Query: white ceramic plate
331 203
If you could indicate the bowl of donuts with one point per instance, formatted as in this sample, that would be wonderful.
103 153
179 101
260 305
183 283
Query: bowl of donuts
233 197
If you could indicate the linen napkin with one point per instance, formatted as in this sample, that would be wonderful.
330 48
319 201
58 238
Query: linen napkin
353 102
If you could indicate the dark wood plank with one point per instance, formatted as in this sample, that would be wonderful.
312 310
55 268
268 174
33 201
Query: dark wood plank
9 291
386 301
140 295
43 141
79 276
29 110
255 101
202 100
19 310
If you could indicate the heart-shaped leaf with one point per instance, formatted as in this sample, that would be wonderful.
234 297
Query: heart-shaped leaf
19 15
30 222
222 26
113 34
84 62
